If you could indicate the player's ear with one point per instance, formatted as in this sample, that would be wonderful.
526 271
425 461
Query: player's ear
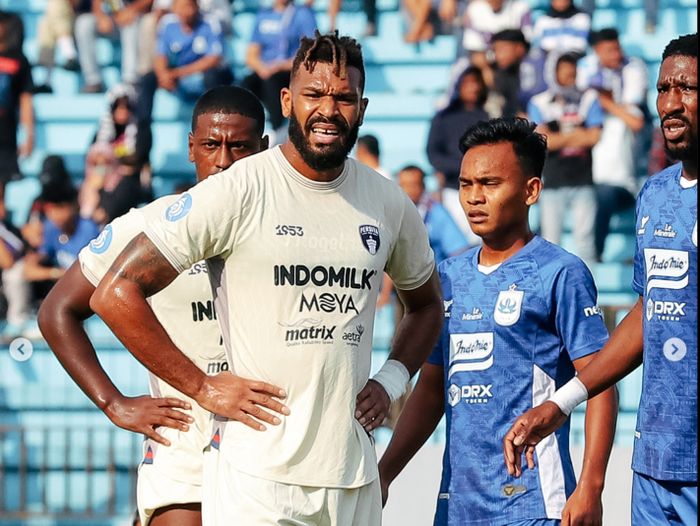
533 189
190 146
363 108
286 100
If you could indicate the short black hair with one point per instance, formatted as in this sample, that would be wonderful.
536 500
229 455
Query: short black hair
511 35
685 46
342 52
603 35
529 145
59 192
371 143
568 58
230 99
413 168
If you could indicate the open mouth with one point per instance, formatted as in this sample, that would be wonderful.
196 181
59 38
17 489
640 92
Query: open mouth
674 129
325 133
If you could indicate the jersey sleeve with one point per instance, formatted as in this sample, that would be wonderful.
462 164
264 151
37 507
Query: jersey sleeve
411 261
639 275
201 223
97 257
579 320
437 357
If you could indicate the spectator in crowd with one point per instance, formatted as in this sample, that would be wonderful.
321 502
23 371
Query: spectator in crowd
466 109
148 29
367 152
621 83
64 234
275 40
15 101
114 161
563 28
517 71
369 7
103 19
422 17
15 289
484 18
56 29
572 120
14 31
189 58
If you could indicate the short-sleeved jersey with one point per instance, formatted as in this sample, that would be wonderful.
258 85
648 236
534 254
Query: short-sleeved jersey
509 341
666 276
278 33
296 266
182 48
185 308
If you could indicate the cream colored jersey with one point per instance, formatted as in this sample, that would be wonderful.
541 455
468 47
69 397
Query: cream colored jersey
185 308
296 266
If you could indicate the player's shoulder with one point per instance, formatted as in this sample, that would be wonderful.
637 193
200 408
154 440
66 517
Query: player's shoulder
169 22
374 181
662 179
553 260
458 265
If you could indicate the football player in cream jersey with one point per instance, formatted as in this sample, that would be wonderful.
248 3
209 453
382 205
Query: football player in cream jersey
227 125
296 239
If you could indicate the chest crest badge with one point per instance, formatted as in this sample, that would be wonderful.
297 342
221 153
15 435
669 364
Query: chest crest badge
508 306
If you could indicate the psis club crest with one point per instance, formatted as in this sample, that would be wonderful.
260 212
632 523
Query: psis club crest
370 238
508 306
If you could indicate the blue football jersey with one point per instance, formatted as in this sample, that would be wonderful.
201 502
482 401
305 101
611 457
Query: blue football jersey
508 343
666 276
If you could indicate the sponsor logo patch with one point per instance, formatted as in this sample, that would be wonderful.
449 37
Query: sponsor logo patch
508 306
510 490
643 225
354 337
665 310
470 352
179 208
370 238
474 315
308 331
665 231
327 302
471 394
666 269
101 243
447 307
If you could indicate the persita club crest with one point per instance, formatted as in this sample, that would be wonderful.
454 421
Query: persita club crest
370 238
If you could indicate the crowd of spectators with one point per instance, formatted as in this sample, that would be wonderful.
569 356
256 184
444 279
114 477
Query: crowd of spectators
578 85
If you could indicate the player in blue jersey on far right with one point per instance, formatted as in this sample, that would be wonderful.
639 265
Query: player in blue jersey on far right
661 329
521 317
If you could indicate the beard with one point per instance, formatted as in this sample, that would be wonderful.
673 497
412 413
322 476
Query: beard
325 156
687 148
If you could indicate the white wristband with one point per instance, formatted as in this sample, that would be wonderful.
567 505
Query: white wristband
393 377
568 396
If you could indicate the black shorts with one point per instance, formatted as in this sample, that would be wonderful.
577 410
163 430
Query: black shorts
9 169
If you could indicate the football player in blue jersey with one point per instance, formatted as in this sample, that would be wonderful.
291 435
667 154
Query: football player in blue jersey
521 317
661 328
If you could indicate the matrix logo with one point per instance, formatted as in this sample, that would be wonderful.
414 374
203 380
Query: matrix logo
308 331
666 269
470 352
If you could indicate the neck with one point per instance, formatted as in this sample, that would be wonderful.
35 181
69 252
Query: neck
494 251
295 159
690 169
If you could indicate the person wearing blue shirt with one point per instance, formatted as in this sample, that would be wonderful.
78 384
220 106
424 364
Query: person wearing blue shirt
65 233
572 120
277 32
521 317
189 57
661 328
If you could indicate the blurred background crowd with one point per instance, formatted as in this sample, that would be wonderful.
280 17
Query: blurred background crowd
530 58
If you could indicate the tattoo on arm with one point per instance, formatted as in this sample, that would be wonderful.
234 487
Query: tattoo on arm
142 263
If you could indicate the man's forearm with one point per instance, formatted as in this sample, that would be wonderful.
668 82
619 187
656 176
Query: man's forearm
61 323
418 331
621 355
198 66
601 417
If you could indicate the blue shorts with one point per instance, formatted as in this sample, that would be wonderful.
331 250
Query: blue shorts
663 501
